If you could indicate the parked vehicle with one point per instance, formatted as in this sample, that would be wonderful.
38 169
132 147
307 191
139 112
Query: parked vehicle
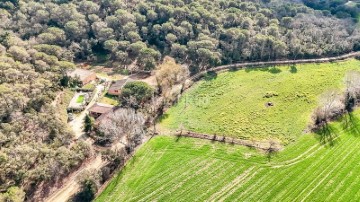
70 117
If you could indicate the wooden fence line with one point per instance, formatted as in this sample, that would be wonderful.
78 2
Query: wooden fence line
263 145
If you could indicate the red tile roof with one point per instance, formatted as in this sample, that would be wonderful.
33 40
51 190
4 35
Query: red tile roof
101 108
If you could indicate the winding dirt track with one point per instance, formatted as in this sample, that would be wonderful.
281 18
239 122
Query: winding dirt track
71 186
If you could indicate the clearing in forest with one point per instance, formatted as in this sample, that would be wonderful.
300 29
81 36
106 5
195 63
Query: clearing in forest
257 103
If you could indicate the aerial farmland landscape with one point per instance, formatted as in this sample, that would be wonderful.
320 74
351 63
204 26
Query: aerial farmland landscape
179 100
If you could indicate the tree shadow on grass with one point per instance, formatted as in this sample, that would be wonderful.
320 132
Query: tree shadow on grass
162 117
133 160
211 75
271 69
293 69
351 124
234 69
327 135
178 137
275 70
251 69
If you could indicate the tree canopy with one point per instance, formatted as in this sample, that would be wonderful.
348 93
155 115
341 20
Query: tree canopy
135 94
138 34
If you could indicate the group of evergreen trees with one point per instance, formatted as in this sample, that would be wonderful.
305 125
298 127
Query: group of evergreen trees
137 34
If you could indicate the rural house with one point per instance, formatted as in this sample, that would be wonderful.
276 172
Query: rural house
85 76
99 109
115 88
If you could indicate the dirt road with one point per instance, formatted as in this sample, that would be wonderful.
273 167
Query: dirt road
71 186
78 122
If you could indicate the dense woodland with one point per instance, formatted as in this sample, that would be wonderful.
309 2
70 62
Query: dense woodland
137 34
40 40
35 144
339 8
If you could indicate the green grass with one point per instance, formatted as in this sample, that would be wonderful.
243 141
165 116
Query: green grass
109 99
234 103
89 86
80 99
185 169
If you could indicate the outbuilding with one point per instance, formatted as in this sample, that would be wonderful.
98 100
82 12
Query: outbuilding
85 76
115 88
99 109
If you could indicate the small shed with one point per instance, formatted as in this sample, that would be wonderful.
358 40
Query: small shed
84 75
115 88
99 109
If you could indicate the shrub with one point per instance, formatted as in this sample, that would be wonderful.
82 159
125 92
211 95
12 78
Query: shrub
88 122
135 94
89 181
270 94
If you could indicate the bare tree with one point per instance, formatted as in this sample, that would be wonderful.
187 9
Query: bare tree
352 93
169 74
331 106
122 122
271 150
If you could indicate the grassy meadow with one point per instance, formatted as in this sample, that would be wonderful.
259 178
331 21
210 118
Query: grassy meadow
235 103
109 99
314 168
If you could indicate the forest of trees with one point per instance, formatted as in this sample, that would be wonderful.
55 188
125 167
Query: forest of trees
339 8
41 39
35 144
137 34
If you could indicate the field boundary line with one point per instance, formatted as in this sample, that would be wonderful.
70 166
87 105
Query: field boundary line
262 145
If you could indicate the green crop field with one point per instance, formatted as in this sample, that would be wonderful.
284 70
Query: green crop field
185 169
234 103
